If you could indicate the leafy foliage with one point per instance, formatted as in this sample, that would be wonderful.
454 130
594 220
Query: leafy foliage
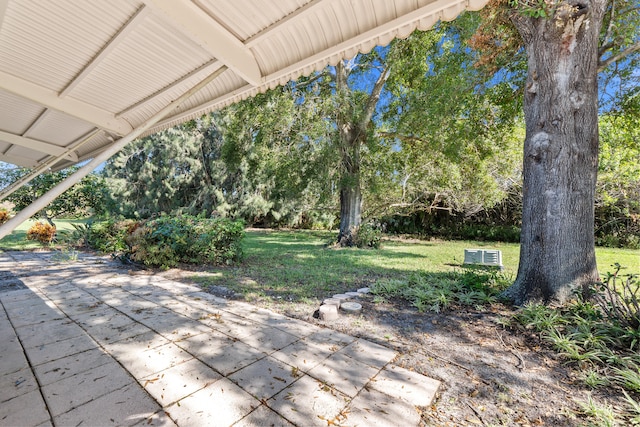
599 333
166 241
83 199
42 232
619 300
367 236
441 291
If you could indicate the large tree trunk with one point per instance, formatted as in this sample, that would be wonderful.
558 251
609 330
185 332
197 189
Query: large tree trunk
557 252
350 191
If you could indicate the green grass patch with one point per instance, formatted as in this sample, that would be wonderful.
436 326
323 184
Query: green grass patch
297 265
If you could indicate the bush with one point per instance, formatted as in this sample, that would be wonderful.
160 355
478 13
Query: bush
619 298
42 232
367 236
166 241
4 216
108 236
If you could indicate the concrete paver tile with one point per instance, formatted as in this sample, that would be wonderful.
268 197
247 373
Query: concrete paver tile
309 402
185 309
49 332
101 315
153 312
372 354
270 339
16 384
12 361
83 387
18 295
126 406
304 354
175 325
65 367
333 339
159 419
297 327
344 373
201 296
178 382
59 349
145 341
229 358
234 326
210 342
27 317
262 417
144 363
401 383
264 378
135 306
372 408
220 404
25 410
77 308
118 331
12 358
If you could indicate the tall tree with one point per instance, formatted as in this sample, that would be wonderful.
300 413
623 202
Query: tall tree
566 44
354 116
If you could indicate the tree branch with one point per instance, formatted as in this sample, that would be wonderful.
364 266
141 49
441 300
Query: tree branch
374 98
608 44
621 55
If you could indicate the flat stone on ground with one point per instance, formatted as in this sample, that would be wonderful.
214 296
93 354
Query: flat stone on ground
409 386
351 307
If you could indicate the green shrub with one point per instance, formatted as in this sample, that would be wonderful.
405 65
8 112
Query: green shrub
367 236
166 241
108 236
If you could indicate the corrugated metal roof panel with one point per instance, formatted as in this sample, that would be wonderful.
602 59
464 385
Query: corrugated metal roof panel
16 113
69 66
58 128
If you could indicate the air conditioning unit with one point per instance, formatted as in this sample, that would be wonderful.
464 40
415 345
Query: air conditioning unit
489 257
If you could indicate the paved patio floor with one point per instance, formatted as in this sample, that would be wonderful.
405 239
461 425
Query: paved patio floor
84 343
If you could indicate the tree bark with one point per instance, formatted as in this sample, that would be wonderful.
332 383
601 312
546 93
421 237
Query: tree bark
557 254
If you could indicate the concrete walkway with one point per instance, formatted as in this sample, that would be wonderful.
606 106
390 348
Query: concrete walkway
83 343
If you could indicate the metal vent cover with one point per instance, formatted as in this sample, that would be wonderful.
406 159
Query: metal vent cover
489 257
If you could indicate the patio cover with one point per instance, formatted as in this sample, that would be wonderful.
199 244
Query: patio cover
81 78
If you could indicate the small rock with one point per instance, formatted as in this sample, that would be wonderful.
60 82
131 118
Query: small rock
341 297
351 307
332 301
328 312
364 290
353 294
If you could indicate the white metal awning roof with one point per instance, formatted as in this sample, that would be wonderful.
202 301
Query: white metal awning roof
76 75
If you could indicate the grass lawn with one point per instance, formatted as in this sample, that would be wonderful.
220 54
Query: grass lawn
296 265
